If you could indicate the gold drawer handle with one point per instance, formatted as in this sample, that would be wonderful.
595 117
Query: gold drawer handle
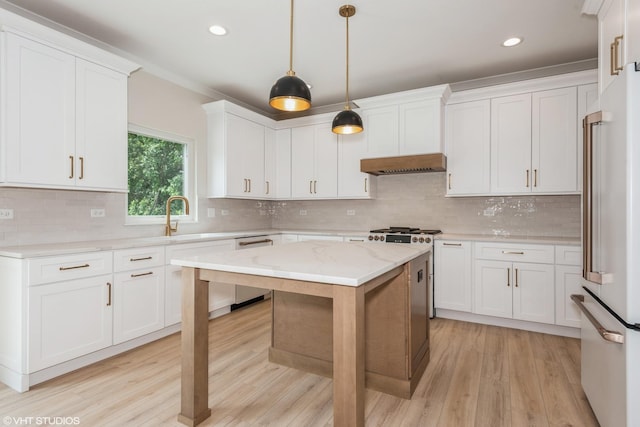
452 244
149 273
140 259
109 300
74 267
513 252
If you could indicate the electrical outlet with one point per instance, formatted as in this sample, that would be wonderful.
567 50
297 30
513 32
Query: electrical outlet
6 213
224 212
351 212
97 213
211 212
303 212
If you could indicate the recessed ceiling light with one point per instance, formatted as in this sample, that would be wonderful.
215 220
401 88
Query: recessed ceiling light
513 41
217 30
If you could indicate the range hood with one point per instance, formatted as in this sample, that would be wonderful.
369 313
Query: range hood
416 163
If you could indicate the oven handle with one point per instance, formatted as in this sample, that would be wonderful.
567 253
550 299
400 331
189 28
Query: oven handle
611 336
255 242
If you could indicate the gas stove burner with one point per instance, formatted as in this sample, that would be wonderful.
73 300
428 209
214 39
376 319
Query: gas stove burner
405 230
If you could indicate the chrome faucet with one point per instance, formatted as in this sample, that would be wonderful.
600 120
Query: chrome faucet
168 229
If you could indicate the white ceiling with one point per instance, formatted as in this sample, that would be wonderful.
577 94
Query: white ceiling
395 45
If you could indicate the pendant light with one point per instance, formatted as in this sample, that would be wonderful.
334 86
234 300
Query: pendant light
290 93
347 121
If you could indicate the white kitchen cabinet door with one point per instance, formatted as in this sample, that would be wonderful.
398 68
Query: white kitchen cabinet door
632 32
314 162
533 292
381 131
101 128
511 144
493 283
138 301
277 163
452 275
420 127
611 42
568 282
554 143
353 184
468 133
244 157
39 89
68 320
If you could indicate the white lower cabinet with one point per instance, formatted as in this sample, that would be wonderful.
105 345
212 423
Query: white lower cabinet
452 276
220 294
522 291
69 319
568 282
138 299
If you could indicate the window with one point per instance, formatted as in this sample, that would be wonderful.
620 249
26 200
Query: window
159 168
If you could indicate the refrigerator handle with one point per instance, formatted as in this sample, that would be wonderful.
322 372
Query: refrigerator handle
612 336
599 278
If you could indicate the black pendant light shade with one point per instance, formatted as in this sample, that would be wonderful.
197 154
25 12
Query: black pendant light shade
290 93
347 122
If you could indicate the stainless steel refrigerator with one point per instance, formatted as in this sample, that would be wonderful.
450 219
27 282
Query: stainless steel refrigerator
610 300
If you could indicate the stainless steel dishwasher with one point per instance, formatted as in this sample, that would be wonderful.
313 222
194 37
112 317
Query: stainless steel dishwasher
246 295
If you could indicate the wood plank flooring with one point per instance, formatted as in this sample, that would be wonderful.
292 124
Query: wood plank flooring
478 376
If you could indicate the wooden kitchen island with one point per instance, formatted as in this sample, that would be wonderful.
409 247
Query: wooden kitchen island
364 285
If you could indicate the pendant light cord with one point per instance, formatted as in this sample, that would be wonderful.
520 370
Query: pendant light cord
347 77
291 40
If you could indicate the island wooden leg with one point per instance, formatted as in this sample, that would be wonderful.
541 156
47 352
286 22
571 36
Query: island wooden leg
195 349
348 356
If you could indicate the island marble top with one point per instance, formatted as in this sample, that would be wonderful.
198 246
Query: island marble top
331 262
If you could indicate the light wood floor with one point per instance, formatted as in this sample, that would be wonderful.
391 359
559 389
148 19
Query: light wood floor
478 376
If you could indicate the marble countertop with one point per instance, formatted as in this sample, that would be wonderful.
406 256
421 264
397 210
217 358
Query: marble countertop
547 240
332 262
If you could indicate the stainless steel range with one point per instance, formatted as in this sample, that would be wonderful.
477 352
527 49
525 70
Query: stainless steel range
409 235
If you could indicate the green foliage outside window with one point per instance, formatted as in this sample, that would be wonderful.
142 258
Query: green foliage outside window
156 172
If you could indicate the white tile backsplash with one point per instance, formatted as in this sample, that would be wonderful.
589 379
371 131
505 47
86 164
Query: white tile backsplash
49 216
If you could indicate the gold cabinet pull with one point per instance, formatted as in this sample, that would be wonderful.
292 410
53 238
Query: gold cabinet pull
249 185
513 252
315 187
81 168
618 55
72 167
310 187
612 59
148 273
365 185
267 184
516 277
140 259
535 177
109 297
255 242
508 277
527 178
75 267
449 181
452 244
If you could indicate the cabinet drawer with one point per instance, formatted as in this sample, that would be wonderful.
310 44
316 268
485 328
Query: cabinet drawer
569 255
68 267
132 259
514 252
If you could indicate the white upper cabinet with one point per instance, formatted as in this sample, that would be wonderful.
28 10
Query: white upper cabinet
554 143
511 144
353 184
619 38
314 162
405 123
468 148
277 164
66 119
236 158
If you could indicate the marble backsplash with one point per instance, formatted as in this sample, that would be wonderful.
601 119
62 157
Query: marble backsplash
49 216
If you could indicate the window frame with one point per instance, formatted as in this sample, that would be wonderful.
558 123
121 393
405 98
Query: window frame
189 177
